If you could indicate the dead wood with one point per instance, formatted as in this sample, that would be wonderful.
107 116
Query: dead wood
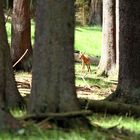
20 58
110 107
57 116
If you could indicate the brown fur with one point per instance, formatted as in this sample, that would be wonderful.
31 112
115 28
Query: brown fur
85 61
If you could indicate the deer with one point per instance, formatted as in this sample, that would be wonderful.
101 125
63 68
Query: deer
85 61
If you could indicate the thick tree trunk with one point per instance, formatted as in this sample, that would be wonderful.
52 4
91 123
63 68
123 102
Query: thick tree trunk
53 88
129 57
107 63
95 12
8 122
8 87
9 95
21 38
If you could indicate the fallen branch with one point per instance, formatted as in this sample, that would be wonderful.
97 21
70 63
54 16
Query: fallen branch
88 86
57 115
110 107
20 58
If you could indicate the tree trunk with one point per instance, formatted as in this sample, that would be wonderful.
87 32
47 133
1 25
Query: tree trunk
8 122
117 36
7 82
53 88
53 69
107 63
128 88
9 95
7 4
21 38
95 12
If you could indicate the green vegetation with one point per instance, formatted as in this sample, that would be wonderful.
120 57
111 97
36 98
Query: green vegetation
88 40
107 128
34 133
8 28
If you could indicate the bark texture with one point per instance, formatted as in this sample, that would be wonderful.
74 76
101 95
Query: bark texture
129 56
95 12
21 38
9 95
108 55
9 92
53 88
8 122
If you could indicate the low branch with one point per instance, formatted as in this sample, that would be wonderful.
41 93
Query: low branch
57 115
20 58
110 107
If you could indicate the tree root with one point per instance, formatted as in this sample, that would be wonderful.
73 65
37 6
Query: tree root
57 116
111 107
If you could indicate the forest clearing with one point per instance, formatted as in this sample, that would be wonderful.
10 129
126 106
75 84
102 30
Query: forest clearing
69 70
91 87
95 88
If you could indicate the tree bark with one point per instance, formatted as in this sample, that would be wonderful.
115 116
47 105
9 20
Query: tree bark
9 91
95 12
53 89
21 38
117 35
107 63
8 122
128 89
9 95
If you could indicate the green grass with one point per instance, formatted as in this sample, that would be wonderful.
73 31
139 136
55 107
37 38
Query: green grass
91 79
32 32
88 40
39 134
106 121
8 28
127 128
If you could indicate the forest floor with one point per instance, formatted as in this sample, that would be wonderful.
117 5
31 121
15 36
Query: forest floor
95 92
88 86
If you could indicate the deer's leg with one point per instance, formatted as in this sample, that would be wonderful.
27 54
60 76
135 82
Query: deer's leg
88 68
83 66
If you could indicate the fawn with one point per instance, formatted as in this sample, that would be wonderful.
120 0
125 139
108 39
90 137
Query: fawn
85 61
